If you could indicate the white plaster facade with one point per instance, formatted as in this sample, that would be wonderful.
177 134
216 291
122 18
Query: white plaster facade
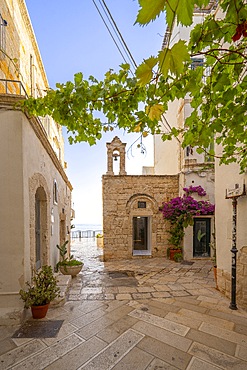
35 193
171 159
195 169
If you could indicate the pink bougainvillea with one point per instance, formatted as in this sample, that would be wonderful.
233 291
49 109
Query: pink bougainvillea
181 210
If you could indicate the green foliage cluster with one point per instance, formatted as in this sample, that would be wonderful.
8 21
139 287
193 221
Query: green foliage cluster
177 233
66 261
217 89
42 290
178 257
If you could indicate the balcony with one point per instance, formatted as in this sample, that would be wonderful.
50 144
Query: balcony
12 87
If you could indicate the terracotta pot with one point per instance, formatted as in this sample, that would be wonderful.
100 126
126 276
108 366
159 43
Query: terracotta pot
174 251
39 312
71 270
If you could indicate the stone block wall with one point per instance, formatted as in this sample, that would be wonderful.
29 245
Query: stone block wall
224 279
120 204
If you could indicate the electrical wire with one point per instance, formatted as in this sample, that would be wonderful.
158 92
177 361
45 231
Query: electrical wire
109 30
120 37
117 32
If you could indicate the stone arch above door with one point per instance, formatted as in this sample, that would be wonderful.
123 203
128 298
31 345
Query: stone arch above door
39 192
151 204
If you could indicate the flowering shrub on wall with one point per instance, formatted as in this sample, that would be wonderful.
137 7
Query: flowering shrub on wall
180 211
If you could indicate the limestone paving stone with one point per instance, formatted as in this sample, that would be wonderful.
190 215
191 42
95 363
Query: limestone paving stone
161 287
241 329
179 293
119 312
194 309
18 354
113 305
224 334
94 327
135 359
212 300
87 318
212 341
160 322
141 295
126 289
197 364
181 319
6 345
44 358
163 335
160 294
241 352
159 364
65 331
123 296
79 355
111 332
216 322
145 289
114 352
217 358
163 351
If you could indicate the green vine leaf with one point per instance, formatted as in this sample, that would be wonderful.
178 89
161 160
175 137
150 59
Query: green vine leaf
149 11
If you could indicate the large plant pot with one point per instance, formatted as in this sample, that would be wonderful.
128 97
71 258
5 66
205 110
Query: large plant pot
99 242
39 312
71 270
173 252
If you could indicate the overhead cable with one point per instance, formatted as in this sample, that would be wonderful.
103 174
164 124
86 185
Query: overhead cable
130 56
116 31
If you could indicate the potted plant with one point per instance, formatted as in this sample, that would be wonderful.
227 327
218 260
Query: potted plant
177 233
178 257
68 265
41 291
99 239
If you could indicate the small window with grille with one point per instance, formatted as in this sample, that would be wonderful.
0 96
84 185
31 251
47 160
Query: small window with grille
3 25
196 62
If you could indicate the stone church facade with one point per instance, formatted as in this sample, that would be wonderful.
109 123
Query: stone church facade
133 225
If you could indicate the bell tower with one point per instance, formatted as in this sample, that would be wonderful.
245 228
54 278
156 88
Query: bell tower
115 150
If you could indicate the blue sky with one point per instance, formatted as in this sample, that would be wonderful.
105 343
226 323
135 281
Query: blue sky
73 38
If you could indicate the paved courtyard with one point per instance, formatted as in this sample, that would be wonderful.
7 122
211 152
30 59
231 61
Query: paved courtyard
140 314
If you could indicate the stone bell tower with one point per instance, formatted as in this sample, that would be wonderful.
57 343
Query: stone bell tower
115 150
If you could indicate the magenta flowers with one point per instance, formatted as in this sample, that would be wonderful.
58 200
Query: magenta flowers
181 210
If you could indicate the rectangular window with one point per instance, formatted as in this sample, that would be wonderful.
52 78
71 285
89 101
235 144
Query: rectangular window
142 204
3 25
196 62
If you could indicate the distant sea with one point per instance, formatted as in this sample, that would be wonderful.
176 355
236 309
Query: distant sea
93 227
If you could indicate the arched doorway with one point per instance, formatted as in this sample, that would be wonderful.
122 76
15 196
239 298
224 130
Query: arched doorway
40 228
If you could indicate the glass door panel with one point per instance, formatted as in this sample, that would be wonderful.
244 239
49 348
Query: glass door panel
201 237
140 233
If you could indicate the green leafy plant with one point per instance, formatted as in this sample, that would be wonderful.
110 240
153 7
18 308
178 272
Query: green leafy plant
179 212
42 290
178 257
66 261
200 235
217 87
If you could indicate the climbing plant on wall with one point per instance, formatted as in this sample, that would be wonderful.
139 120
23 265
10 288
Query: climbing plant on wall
180 211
